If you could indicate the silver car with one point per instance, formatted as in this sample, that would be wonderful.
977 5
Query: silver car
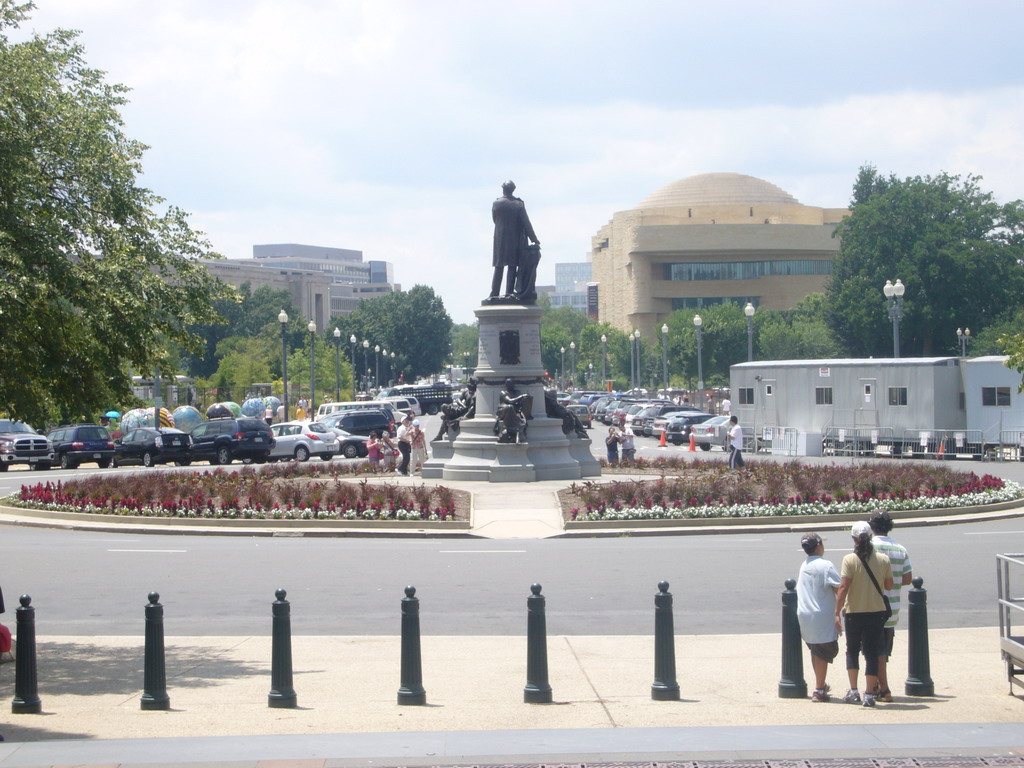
299 440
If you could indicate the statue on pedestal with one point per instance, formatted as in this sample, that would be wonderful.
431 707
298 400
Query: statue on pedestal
555 410
462 408
514 410
512 253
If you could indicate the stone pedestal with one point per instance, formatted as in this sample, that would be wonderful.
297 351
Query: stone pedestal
510 349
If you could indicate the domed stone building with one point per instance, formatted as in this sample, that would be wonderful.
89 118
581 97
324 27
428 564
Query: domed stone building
708 239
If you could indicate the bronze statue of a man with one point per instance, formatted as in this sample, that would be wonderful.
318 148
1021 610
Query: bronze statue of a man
512 230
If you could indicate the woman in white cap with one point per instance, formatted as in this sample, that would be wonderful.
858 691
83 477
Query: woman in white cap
860 598
419 448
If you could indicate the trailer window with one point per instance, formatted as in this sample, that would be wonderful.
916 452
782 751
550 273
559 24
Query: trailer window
746 395
823 395
897 395
995 396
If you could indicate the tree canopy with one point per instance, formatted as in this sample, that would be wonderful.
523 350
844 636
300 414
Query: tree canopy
94 279
957 251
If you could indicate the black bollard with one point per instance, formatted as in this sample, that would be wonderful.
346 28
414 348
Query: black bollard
154 681
665 687
282 694
792 684
537 690
26 687
919 673
412 692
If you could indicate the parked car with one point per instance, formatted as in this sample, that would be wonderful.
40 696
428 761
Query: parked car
148 446
678 429
582 412
406 404
361 422
659 424
82 444
643 422
299 440
220 441
616 412
20 444
711 432
351 446
600 405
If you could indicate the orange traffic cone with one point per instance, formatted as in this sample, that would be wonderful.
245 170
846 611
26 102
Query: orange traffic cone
942 447
662 443
693 442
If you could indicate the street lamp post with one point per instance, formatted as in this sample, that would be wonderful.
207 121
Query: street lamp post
639 374
312 366
572 370
282 318
697 324
337 363
604 360
963 337
664 355
632 362
561 371
352 341
894 294
366 367
590 376
749 312
391 368
376 366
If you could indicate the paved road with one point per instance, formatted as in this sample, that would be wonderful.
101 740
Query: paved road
96 583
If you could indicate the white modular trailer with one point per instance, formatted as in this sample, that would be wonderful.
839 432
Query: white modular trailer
993 404
812 395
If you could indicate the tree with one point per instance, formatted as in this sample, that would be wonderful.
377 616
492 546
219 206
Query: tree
413 324
801 333
93 281
958 252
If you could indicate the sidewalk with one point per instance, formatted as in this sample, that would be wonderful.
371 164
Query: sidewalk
346 688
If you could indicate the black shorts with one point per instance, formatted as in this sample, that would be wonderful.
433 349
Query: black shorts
826 651
887 638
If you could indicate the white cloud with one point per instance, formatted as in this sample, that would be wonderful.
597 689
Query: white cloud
388 125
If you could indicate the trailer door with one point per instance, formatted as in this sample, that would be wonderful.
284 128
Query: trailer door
867 409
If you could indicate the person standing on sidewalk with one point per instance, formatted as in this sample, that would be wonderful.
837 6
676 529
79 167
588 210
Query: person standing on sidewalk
735 443
816 610
902 573
405 444
628 444
863 608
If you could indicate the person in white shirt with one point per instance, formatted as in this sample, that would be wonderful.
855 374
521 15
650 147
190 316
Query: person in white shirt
726 406
735 443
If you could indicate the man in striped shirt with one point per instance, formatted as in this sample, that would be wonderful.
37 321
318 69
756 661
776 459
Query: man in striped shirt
881 525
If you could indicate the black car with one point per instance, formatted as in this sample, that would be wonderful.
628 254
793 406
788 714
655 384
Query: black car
351 446
148 447
677 431
82 444
220 441
360 422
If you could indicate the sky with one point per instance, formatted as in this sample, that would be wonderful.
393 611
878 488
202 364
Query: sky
388 126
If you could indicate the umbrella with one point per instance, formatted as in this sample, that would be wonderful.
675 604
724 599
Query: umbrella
112 415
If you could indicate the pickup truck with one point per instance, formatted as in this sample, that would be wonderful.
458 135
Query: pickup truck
20 444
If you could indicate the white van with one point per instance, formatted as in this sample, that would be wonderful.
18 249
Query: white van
405 404
357 405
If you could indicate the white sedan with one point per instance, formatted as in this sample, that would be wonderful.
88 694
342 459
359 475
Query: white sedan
299 440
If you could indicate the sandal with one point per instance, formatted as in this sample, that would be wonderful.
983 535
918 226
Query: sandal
884 696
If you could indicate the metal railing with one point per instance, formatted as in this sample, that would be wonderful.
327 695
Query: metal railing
1011 646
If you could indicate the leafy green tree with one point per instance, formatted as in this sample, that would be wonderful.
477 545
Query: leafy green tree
93 280
466 339
958 252
413 324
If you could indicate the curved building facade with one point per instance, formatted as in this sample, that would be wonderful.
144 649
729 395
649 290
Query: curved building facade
708 239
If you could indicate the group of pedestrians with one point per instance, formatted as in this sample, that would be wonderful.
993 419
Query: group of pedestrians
406 452
625 440
862 600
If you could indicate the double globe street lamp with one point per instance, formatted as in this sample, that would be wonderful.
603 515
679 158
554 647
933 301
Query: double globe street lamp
963 336
337 363
697 324
894 295
312 366
664 355
352 341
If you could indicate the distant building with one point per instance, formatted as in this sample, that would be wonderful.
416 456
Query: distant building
571 280
708 239
323 282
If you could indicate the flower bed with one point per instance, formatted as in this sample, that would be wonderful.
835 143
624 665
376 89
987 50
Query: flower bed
709 489
282 492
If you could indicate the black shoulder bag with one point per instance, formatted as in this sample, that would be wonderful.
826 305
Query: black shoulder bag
885 597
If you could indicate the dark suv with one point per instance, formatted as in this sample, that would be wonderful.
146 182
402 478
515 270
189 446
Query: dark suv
219 441
361 422
82 444
20 444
